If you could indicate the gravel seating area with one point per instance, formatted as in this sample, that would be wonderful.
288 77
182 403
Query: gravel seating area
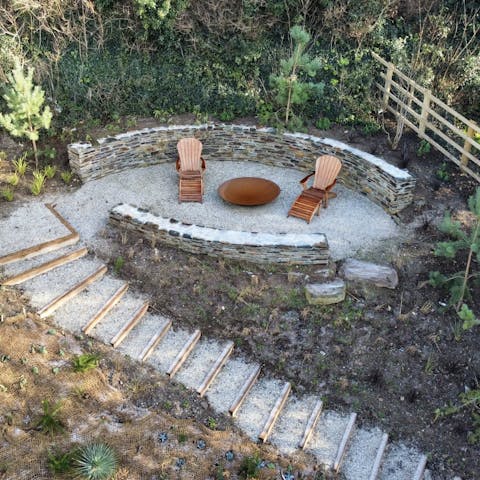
352 223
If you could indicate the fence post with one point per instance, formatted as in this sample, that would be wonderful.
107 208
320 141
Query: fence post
427 94
388 84
467 146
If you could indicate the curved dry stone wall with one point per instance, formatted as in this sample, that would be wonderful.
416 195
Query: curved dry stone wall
291 248
386 185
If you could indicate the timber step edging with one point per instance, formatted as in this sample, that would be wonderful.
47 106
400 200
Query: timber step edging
105 309
275 412
45 267
44 247
129 325
72 292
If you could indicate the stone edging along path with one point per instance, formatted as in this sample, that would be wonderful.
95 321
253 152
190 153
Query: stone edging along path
385 184
292 248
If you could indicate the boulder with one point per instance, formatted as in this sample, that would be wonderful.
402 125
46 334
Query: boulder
369 273
326 293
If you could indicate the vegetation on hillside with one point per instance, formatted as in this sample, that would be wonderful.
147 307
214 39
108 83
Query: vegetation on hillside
103 58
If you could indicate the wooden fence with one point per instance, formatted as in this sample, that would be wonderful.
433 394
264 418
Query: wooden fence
433 120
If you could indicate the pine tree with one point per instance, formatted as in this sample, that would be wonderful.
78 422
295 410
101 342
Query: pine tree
291 89
25 101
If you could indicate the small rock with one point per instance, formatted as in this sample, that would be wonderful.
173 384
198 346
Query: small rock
366 272
326 293
294 277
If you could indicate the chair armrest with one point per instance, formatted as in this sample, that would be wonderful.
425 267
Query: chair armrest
177 164
331 186
303 181
204 166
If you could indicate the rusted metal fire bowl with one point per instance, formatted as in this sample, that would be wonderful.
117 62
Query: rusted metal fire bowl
249 191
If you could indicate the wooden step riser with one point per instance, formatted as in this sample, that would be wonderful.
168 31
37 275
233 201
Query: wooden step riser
378 458
112 301
184 353
418 475
342 448
71 293
128 326
155 340
244 391
45 267
311 424
44 247
275 412
215 370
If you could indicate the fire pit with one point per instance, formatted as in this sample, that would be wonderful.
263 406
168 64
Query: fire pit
249 191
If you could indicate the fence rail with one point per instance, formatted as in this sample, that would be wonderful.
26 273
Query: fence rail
433 120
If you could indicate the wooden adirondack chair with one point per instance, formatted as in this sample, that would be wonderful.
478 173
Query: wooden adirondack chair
311 199
190 166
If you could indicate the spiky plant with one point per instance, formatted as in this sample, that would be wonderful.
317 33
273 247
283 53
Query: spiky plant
96 461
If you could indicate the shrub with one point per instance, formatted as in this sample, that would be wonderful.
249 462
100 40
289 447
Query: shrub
49 422
38 182
25 102
249 467
50 171
21 165
7 194
85 362
97 461
13 179
67 176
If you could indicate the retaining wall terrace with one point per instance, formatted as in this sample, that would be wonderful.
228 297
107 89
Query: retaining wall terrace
385 184
286 248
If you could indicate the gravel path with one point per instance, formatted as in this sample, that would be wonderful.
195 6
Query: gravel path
352 222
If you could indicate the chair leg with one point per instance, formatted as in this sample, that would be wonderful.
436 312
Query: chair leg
319 207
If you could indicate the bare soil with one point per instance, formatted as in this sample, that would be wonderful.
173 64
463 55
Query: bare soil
393 356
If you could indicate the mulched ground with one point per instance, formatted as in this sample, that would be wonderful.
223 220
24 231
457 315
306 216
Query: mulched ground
391 356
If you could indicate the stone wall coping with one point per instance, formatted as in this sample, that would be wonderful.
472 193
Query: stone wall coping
379 162
209 234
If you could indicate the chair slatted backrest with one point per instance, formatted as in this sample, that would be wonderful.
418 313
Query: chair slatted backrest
190 152
327 169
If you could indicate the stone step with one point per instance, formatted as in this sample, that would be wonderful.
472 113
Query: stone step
255 411
327 438
215 369
129 325
45 267
164 355
230 385
116 318
77 312
47 231
360 461
290 427
275 412
104 308
44 288
402 463
17 268
140 336
199 363
72 292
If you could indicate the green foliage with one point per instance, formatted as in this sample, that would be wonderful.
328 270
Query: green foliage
66 176
469 400
460 241
25 102
50 171
118 264
38 182
323 123
21 165
85 362
423 149
290 86
249 468
8 194
49 422
59 463
97 461
13 179
442 173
